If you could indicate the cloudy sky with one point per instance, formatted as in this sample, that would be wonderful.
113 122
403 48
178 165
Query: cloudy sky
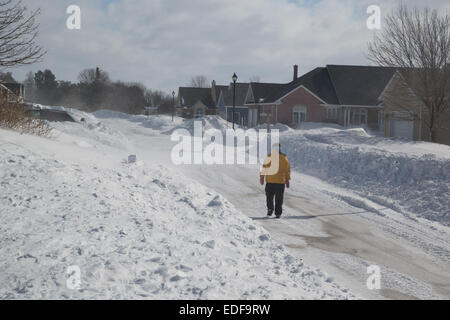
164 43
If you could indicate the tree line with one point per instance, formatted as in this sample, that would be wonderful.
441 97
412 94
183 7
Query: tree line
93 91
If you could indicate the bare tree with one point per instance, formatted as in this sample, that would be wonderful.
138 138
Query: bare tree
418 43
199 82
18 34
89 76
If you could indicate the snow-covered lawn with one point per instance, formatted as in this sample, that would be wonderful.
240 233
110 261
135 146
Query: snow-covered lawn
137 231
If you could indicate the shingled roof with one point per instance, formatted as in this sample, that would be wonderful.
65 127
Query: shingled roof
241 94
263 91
317 81
359 85
336 84
189 96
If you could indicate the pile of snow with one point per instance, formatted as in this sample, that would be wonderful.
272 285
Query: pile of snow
163 124
280 127
410 177
209 123
160 123
135 230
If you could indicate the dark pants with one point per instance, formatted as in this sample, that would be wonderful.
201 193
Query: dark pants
275 190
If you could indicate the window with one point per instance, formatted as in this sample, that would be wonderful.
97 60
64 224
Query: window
331 113
358 116
363 117
299 114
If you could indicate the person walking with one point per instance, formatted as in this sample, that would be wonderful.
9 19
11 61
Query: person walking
276 172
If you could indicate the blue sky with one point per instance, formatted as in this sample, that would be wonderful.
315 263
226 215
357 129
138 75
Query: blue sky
163 43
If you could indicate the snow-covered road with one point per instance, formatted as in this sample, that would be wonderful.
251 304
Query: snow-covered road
344 239
328 227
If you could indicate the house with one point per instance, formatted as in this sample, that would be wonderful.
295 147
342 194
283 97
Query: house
197 102
342 94
345 95
259 111
403 113
225 103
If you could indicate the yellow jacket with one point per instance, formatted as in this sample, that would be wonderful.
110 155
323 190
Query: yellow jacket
281 175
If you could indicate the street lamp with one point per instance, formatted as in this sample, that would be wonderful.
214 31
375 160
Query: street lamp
235 77
173 104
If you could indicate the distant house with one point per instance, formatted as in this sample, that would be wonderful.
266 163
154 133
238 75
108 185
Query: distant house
345 95
259 111
197 102
341 94
225 103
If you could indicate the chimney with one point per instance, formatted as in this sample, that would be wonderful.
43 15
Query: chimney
295 72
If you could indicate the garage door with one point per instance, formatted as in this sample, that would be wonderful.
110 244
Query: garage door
402 129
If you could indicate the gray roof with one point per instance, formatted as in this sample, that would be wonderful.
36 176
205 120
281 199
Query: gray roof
219 90
334 84
317 81
340 85
191 95
359 85
263 91
241 94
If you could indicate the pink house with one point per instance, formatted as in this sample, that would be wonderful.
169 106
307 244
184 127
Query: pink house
346 95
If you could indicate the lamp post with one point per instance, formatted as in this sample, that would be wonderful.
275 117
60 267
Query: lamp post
235 77
173 104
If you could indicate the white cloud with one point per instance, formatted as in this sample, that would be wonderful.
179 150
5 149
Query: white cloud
163 43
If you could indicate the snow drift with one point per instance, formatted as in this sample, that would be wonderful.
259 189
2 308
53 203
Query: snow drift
410 177
136 231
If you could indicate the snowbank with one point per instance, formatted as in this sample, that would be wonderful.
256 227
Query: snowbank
135 230
411 177
209 123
